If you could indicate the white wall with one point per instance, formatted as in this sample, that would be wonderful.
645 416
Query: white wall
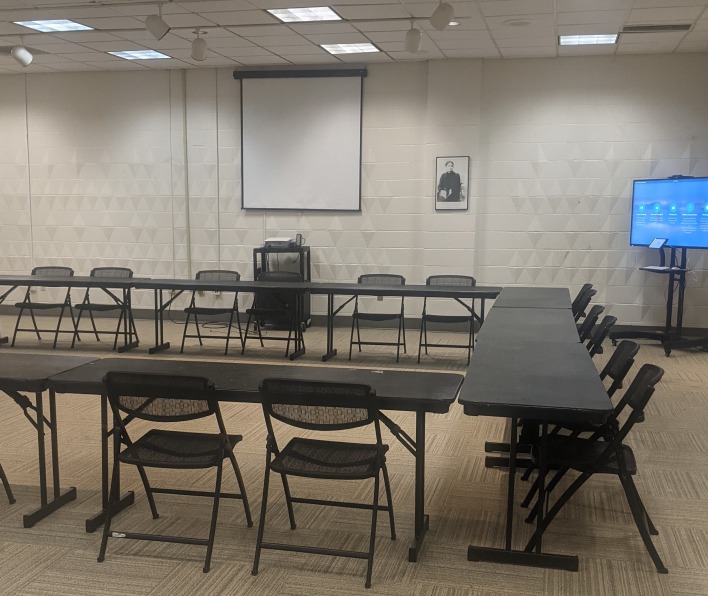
554 144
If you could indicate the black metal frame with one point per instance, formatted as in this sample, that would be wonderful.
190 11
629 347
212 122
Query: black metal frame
28 304
152 390
210 311
6 484
341 399
601 332
439 280
581 301
586 328
126 324
379 279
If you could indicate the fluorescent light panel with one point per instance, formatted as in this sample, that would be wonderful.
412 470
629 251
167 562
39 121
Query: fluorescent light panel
349 48
587 40
299 15
54 26
140 55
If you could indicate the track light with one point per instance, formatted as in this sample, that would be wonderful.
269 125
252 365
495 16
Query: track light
413 39
22 54
199 47
156 25
442 16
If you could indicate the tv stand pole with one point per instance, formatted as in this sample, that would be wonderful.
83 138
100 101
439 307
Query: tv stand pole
670 336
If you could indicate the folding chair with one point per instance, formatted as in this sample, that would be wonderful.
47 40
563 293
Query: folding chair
323 406
167 399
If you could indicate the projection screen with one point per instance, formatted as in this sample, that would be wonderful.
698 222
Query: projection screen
301 141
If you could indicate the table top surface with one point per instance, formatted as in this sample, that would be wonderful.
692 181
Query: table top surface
535 380
533 298
67 281
420 290
507 326
29 372
396 390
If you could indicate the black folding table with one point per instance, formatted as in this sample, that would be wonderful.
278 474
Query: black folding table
418 392
522 297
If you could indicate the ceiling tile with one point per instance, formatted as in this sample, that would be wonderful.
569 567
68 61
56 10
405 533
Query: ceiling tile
508 8
117 22
606 17
216 5
675 14
243 17
374 11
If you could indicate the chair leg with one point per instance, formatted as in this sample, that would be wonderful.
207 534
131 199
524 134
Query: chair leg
351 338
420 340
17 326
372 539
199 333
76 328
228 333
358 335
635 504
148 492
549 489
6 484
214 514
470 341
261 521
398 342
241 488
93 325
238 322
119 332
56 332
245 335
289 501
389 500
184 333
113 497
403 332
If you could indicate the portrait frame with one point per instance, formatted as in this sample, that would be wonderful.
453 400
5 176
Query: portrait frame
447 197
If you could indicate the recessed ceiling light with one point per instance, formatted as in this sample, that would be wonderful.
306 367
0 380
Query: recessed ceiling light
454 23
140 55
299 15
583 40
349 48
53 26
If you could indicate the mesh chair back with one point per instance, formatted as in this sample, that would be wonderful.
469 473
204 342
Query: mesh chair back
589 321
319 405
218 275
601 332
111 272
382 279
451 281
160 398
52 271
619 364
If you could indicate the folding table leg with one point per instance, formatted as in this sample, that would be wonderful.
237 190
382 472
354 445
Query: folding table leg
422 521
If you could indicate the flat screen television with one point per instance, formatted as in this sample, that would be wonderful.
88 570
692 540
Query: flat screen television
671 208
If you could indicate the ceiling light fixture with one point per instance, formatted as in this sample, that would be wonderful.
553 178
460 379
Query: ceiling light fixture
156 25
199 46
349 48
305 14
22 54
140 55
442 16
54 26
413 40
583 40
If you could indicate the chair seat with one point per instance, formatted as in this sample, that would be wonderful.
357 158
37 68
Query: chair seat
206 310
327 459
376 316
98 307
448 318
171 449
39 305
581 454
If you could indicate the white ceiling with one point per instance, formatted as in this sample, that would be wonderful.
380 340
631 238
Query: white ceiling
240 32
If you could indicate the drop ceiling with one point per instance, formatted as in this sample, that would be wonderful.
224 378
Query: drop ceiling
241 32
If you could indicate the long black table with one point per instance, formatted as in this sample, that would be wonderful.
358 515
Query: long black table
543 375
29 373
332 289
106 284
522 297
418 392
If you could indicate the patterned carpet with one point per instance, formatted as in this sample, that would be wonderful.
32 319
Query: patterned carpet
464 499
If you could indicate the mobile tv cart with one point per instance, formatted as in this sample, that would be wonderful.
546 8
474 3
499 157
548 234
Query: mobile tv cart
671 336
262 262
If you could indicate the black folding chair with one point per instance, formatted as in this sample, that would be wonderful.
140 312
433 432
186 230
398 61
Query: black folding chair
586 327
121 305
601 332
31 306
168 399
194 310
604 453
581 301
278 308
379 279
6 484
323 406
450 281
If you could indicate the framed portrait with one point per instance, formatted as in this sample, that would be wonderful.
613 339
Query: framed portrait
452 176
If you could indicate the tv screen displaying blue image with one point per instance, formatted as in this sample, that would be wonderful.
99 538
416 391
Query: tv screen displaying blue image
673 208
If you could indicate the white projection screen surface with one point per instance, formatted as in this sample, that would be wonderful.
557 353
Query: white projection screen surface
301 143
